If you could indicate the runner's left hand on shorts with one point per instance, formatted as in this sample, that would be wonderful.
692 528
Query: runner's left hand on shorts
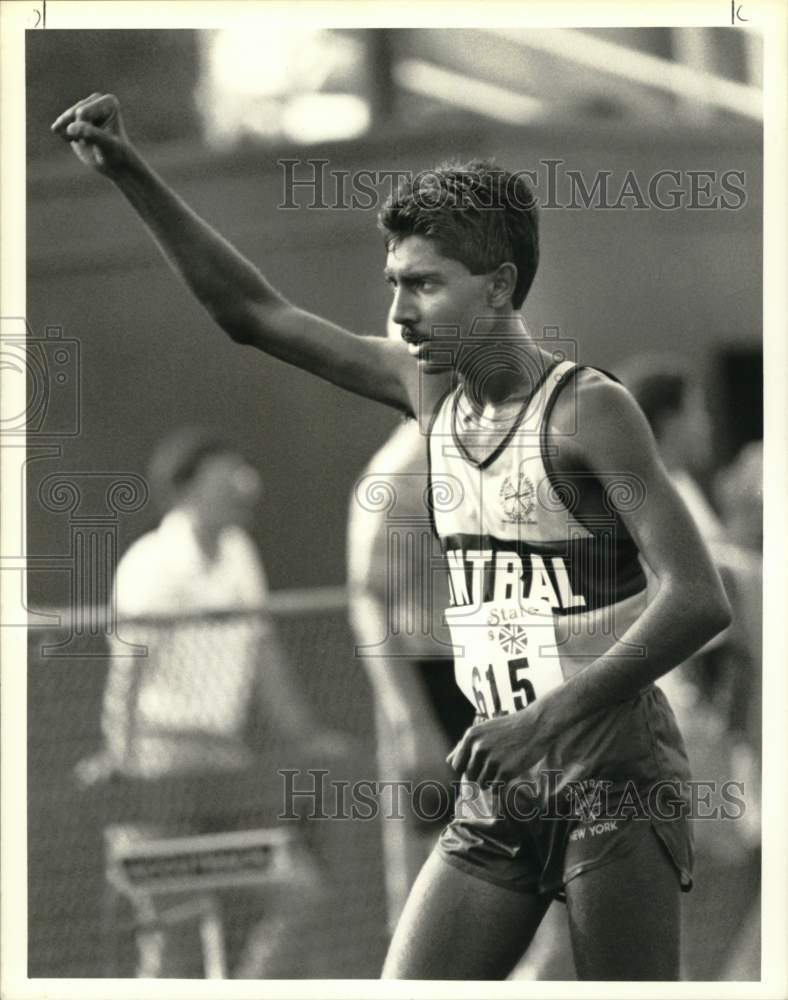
501 749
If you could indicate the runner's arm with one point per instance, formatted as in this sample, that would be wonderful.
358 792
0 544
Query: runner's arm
688 607
230 288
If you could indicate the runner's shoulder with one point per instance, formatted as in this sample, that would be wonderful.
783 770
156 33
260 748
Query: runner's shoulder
592 407
596 394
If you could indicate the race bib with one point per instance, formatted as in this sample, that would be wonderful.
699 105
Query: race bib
505 656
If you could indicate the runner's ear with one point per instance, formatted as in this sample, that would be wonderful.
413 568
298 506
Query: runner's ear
501 285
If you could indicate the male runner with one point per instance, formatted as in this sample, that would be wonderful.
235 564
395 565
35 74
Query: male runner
527 472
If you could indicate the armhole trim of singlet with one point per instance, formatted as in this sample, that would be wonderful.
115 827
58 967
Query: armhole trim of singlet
552 475
433 420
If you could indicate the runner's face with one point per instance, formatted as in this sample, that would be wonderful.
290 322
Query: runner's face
436 301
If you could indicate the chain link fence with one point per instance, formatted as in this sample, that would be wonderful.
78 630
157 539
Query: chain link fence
202 752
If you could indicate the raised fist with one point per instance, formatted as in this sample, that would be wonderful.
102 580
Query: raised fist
94 129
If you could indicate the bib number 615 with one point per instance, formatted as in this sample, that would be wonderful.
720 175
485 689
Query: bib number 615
521 689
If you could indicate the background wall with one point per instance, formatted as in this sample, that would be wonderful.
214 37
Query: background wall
617 281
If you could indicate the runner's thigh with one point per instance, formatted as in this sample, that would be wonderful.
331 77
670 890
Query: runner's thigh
625 917
457 926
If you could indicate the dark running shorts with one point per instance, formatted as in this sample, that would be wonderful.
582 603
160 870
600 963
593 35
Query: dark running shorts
608 780
541 855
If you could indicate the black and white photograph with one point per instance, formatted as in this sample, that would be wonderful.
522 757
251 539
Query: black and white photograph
388 492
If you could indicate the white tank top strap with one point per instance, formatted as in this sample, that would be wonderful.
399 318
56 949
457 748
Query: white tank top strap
545 393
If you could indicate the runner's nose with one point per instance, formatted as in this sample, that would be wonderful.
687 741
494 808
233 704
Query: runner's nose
403 309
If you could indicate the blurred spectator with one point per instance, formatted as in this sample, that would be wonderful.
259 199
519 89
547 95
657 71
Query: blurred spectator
716 696
671 396
398 592
185 719
739 489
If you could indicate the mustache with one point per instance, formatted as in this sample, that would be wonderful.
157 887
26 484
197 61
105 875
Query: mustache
410 335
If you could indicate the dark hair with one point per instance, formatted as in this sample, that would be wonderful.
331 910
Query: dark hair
477 213
177 459
659 385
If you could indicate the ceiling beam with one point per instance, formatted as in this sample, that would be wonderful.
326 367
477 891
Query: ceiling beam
639 67
467 92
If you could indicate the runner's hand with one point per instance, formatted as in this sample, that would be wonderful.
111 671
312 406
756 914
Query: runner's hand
501 749
94 129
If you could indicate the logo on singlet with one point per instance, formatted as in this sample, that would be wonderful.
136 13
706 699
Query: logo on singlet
513 639
518 500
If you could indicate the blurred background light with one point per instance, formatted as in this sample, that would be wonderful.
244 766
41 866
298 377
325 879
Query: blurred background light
271 83
322 117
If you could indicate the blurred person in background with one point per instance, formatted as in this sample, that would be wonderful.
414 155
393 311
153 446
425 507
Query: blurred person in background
716 694
671 395
738 489
188 720
398 590
739 492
